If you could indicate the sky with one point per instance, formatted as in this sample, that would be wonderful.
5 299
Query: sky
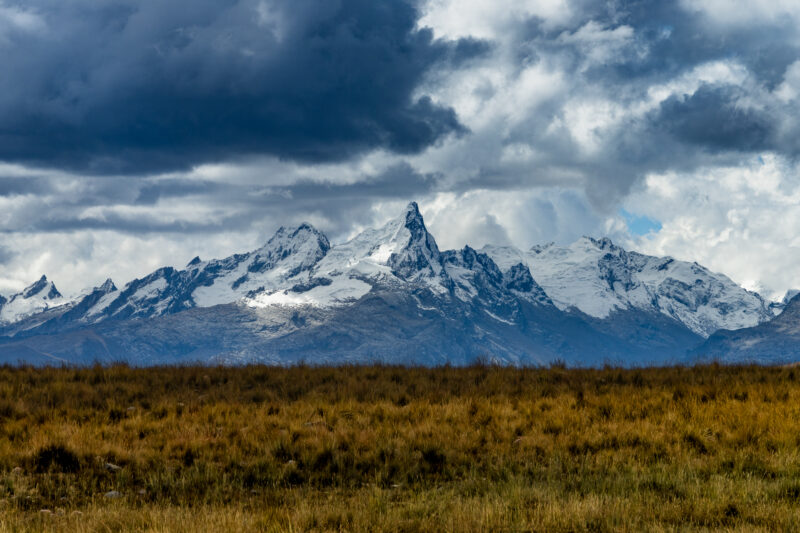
140 133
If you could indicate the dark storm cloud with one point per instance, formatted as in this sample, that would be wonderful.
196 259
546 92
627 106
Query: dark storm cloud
710 118
143 86
13 186
152 191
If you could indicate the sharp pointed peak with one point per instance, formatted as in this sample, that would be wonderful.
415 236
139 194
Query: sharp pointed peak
412 217
411 214
40 285
412 207
108 285
405 244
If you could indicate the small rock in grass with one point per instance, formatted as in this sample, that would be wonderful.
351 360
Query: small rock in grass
113 494
17 470
142 492
45 512
111 467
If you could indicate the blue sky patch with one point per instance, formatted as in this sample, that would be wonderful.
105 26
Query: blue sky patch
640 225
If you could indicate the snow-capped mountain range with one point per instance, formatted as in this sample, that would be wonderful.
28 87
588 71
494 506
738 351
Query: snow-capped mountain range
599 278
388 295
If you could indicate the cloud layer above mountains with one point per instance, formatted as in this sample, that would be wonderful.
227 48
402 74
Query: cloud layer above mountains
136 133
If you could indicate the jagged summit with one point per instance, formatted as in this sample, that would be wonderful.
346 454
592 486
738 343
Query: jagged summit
35 298
304 230
409 231
108 286
297 247
413 218
288 255
42 286
517 274
418 255
401 248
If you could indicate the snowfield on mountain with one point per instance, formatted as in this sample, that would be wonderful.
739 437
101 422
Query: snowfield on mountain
599 278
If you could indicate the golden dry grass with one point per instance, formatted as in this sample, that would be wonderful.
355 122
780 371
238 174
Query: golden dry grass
398 449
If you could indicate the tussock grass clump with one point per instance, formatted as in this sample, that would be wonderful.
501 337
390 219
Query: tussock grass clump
399 449
55 458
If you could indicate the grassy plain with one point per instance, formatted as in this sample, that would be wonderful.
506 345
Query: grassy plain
398 449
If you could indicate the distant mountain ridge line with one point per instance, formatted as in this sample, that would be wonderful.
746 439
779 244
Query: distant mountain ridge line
298 289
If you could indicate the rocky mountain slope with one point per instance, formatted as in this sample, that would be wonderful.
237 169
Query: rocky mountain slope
773 342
